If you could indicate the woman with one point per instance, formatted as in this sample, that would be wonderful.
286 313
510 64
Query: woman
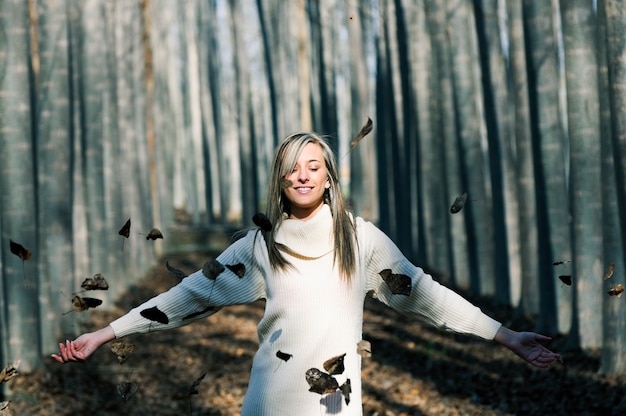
313 264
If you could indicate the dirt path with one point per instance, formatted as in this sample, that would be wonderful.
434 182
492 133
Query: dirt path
414 370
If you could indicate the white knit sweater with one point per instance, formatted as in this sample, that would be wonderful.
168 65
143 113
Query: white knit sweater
311 314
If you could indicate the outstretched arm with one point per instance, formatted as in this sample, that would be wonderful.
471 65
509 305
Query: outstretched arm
82 347
528 346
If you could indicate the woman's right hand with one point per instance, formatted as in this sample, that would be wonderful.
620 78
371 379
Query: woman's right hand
82 347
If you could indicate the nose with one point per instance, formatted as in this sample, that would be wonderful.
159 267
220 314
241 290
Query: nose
303 175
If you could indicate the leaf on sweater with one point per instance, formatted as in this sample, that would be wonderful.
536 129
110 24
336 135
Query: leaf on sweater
260 220
609 271
212 269
4 406
364 348
127 389
458 203
155 314
194 386
19 250
175 272
321 382
400 284
122 350
239 269
81 304
283 355
9 371
203 311
335 365
154 234
97 282
617 290
567 279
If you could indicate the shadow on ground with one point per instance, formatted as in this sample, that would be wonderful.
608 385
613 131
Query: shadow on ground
414 369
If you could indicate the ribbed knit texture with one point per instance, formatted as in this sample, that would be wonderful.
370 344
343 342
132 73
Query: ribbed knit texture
311 314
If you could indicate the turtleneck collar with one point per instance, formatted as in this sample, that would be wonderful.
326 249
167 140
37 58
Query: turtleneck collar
312 238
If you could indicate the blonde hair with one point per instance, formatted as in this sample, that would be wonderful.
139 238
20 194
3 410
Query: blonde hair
278 204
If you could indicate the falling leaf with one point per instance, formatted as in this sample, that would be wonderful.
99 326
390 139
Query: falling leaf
458 203
127 389
320 382
609 271
125 230
285 183
335 365
239 269
19 250
194 386
212 269
97 282
365 130
122 350
616 291
83 303
155 314
400 284
176 272
260 220
154 234
346 389
567 279
283 355
9 371
557 263
364 348
4 406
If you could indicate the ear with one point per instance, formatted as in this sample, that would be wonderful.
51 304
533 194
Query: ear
327 184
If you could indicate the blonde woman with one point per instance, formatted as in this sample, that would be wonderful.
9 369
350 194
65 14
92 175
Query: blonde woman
313 263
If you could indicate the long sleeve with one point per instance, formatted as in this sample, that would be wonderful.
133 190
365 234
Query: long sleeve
241 281
395 281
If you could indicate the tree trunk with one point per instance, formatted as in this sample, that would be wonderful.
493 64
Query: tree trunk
548 142
469 113
20 335
585 196
54 156
527 283
614 185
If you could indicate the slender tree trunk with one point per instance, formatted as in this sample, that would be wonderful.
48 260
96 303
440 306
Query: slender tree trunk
585 196
21 338
614 186
548 141
363 185
469 112
526 285
54 156
498 125
445 133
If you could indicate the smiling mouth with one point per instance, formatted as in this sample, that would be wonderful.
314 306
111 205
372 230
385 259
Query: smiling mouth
303 189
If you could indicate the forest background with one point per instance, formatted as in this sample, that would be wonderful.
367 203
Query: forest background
168 113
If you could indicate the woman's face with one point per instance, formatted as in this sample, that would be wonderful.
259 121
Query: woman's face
309 180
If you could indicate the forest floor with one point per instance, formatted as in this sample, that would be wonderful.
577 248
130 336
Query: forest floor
414 369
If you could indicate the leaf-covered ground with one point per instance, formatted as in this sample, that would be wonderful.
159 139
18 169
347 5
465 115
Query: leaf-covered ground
414 369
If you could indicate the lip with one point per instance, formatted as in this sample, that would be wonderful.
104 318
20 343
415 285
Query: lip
303 189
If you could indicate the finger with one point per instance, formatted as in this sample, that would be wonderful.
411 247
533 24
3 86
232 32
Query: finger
57 358
74 352
63 352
